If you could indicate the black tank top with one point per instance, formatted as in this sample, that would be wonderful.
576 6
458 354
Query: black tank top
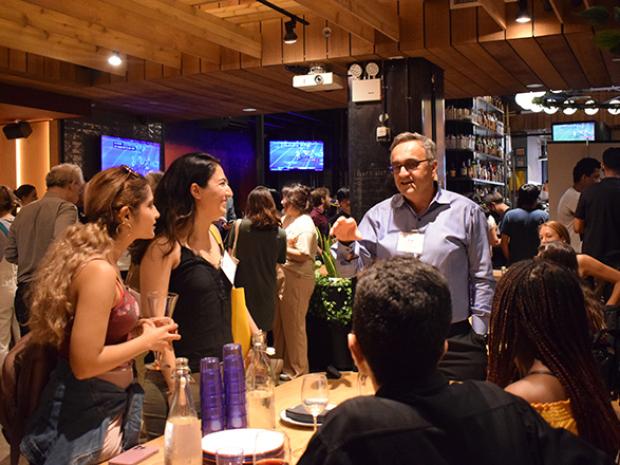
203 309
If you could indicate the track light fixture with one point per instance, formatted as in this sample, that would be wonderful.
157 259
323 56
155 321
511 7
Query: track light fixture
567 101
115 59
524 15
290 37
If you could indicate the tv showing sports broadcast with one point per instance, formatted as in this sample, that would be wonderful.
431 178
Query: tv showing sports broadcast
570 132
287 155
140 155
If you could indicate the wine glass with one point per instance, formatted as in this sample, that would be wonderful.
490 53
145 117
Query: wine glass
271 448
161 305
315 395
229 455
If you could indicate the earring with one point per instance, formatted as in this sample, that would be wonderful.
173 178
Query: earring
124 223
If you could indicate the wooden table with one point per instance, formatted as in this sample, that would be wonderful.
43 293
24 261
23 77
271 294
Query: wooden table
286 395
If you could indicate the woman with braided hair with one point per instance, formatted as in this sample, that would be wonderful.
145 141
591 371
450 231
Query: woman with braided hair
540 350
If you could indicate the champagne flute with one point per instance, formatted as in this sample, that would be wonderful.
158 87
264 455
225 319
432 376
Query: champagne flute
271 448
315 395
161 305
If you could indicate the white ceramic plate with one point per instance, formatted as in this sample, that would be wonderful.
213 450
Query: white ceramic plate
245 438
286 419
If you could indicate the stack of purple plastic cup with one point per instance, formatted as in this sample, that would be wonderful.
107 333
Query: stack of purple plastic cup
234 385
212 405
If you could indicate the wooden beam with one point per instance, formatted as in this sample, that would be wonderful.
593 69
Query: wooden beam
198 23
329 10
164 33
22 12
494 8
254 11
38 41
379 17
558 9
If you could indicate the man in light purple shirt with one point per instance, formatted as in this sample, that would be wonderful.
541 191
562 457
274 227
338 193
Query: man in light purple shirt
443 229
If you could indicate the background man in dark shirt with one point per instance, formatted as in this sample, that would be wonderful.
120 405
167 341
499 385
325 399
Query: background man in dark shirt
598 213
401 317
519 227
320 203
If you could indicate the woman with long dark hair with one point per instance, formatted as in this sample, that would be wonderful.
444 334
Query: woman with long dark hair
90 409
186 258
260 244
540 349
290 321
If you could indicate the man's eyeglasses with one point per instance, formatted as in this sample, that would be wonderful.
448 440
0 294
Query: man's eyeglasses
410 165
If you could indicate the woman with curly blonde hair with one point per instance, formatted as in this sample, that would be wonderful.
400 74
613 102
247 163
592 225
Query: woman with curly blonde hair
91 407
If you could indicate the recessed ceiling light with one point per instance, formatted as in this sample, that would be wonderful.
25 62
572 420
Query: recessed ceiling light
115 59
535 85
249 109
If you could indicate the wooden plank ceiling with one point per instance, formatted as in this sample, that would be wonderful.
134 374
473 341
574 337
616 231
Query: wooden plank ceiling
189 59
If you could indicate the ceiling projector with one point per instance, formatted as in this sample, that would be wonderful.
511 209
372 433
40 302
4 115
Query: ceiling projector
315 82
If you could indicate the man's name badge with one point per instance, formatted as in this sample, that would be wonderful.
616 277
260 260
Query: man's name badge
410 243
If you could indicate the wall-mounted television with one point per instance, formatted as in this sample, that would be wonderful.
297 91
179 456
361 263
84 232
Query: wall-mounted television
288 155
140 155
574 132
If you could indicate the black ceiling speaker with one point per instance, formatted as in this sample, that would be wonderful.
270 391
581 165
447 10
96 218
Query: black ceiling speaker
17 130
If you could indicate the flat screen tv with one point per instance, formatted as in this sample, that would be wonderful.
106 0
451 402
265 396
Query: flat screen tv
573 132
140 155
287 155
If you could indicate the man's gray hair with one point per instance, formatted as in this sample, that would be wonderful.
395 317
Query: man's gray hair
427 143
63 175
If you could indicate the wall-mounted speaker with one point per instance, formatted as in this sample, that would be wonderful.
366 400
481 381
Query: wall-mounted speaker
17 130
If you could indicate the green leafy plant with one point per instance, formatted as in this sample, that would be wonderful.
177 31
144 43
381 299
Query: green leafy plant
325 244
332 300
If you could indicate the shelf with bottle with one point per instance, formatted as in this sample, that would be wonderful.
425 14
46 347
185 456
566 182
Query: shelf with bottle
490 103
477 171
482 147
486 121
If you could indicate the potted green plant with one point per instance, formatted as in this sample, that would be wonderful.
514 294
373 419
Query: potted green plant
330 311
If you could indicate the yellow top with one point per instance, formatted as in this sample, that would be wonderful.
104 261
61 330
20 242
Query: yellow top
557 414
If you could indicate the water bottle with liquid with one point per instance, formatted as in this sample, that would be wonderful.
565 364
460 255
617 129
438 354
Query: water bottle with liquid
260 384
182 436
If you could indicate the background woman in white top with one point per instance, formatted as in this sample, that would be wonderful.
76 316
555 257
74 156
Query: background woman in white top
289 328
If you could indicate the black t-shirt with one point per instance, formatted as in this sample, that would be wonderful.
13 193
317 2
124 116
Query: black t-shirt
522 228
439 424
599 208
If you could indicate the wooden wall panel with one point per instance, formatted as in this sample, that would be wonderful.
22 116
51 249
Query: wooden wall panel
294 53
315 45
411 25
246 60
272 42
339 43
135 69
544 21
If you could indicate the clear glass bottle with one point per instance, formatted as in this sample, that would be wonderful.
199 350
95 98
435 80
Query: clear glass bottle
182 436
260 384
